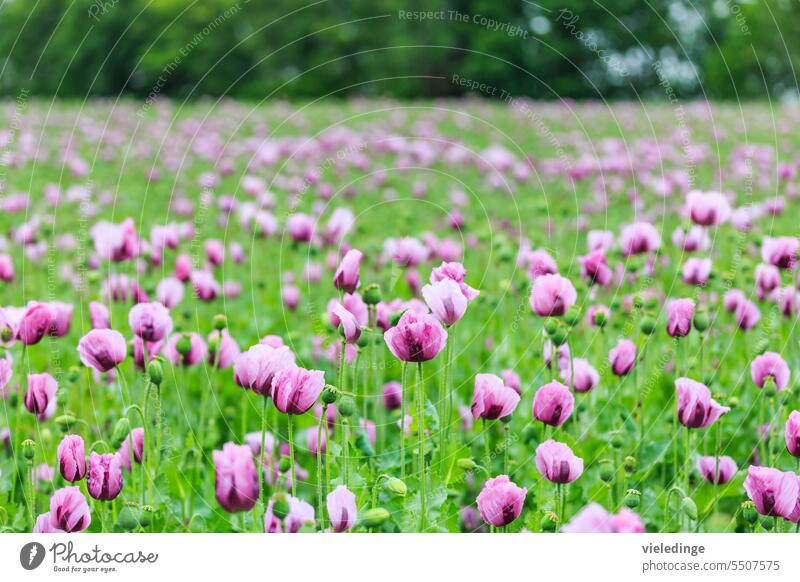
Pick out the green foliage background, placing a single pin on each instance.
(304, 48)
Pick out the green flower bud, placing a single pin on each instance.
(617, 440)
(647, 325)
(64, 422)
(689, 507)
(630, 464)
(600, 318)
(220, 322)
(155, 372)
(284, 464)
(606, 471)
(280, 506)
(183, 345)
(28, 449)
(572, 317)
(374, 517)
(549, 522)
(329, 394)
(560, 336)
(638, 301)
(633, 498)
(363, 340)
(466, 463)
(749, 512)
(550, 325)
(347, 406)
(701, 321)
(395, 486)
(121, 431)
(128, 518)
(372, 294)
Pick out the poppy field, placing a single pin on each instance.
(384, 316)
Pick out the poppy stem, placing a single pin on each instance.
(290, 424)
(260, 467)
(322, 418)
(421, 443)
(403, 422)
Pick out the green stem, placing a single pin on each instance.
(421, 443)
(290, 424)
(403, 422)
(260, 468)
(323, 418)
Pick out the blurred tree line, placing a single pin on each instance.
(309, 48)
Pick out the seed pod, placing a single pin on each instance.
(220, 322)
(183, 345)
(146, 515)
(128, 518)
(749, 512)
(280, 506)
(329, 394)
(550, 326)
(606, 471)
(633, 498)
(347, 406)
(372, 294)
(572, 317)
(395, 486)
(630, 464)
(549, 522)
(28, 449)
(374, 517)
(701, 321)
(560, 336)
(647, 325)
(284, 464)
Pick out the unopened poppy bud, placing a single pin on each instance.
(633, 498)
(617, 440)
(689, 507)
(630, 464)
(121, 431)
(363, 340)
(372, 294)
(560, 336)
(146, 515)
(550, 326)
(701, 321)
(549, 522)
(28, 449)
(346, 406)
(128, 518)
(572, 317)
(74, 374)
(395, 486)
(65, 421)
(184, 344)
(374, 517)
(647, 325)
(155, 372)
(466, 463)
(284, 464)
(606, 471)
(280, 506)
(329, 394)
(749, 512)
(220, 322)
(767, 522)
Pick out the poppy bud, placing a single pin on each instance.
(647, 325)
(184, 344)
(633, 498)
(28, 449)
(606, 471)
(65, 421)
(280, 506)
(630, 464)
(329, 394)
(284, 464)
(550, 325)
(701, 321)
(572, 317)
(600, 318)
(617, 440)
(155, 372)
(121, 431)
(347, 406)
(549, 522)
(374, 517)
(128, 518)
(395, 486)
(220, 322)
(372, 294)
(560, 336)
(363, 340)
(466, 463)
(689, 507)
